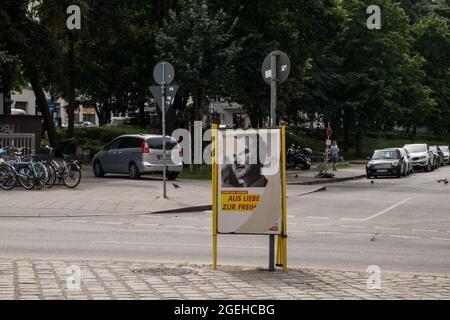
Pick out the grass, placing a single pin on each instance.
(202, 172)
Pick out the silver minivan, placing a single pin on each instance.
(138, 154)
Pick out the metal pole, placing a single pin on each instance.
(273, 90)
(273, 121)
(163, 104)
(271, 252)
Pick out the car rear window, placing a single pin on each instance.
(157, 143)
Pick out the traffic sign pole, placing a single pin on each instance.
(163, 104)
(273, 89)
(275, 70)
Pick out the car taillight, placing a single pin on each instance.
(144, 147)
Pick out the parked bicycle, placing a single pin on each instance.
(68, 171)
(8, 177)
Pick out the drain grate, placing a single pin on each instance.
(163, 271)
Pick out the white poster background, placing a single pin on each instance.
(266, 217)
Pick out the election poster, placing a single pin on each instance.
(249, 194)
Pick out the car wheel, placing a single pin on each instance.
(133, 171)
(98, 169)
(172, 175)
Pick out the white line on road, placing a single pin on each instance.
(446, 239)
(328, 232)
(316, 224)
(356, 227)
(386, 228)
(107, 222)
(424, 230)
(319, 218)
(404, 237)
(145, 224)
(174, 244)
(379, 213)
(75, 221)
(175, 226)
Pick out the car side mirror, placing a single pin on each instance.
(105, 148)
(368, 158)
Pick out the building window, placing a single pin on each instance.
(21, 105)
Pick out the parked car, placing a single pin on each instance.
(422, 156)
(386, 162)
(446, 151)
(139, 154)
(408, 160)
(438, 157)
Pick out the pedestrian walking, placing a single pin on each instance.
(334, 151)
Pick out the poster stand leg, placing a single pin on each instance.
(271, 252)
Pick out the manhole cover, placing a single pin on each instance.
(162, 271)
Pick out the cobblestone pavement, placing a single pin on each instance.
(56, 279)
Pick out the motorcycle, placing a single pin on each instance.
(296, 157)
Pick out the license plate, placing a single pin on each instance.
(382, 170)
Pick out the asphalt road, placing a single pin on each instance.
(397, 224)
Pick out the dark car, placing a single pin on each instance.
(386, 162)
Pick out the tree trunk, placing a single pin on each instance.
(6, 90)
(41, 102)
(413, 134)
(71, 107)
(359, 143)
(141, 107)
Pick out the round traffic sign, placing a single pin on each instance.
(163, 73)
(283, 67)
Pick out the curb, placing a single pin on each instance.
(208, 207)
(331, 180)
(323, 188)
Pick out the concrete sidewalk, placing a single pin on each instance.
(59, 279)
(115, 195)
(308, 177)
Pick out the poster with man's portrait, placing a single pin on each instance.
(249, 180)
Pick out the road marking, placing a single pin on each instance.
(328, 232)
(297, 231)
(178, 218)
(446, 239)
(364, 234)
(379, 213)
(145, 224)
(320, 218)
(75, 221)
(356, 227)
(106, 222)
(386, 228)
(291, 216)
(424, 230)
(175, 226)
(404, 237)
(316, 224)
(173, 244)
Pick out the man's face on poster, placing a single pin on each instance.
(246, 165)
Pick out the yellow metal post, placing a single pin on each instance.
(214, 191)
(283, 201)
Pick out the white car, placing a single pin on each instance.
(446, 151)
(138, 154)
(421, 155)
